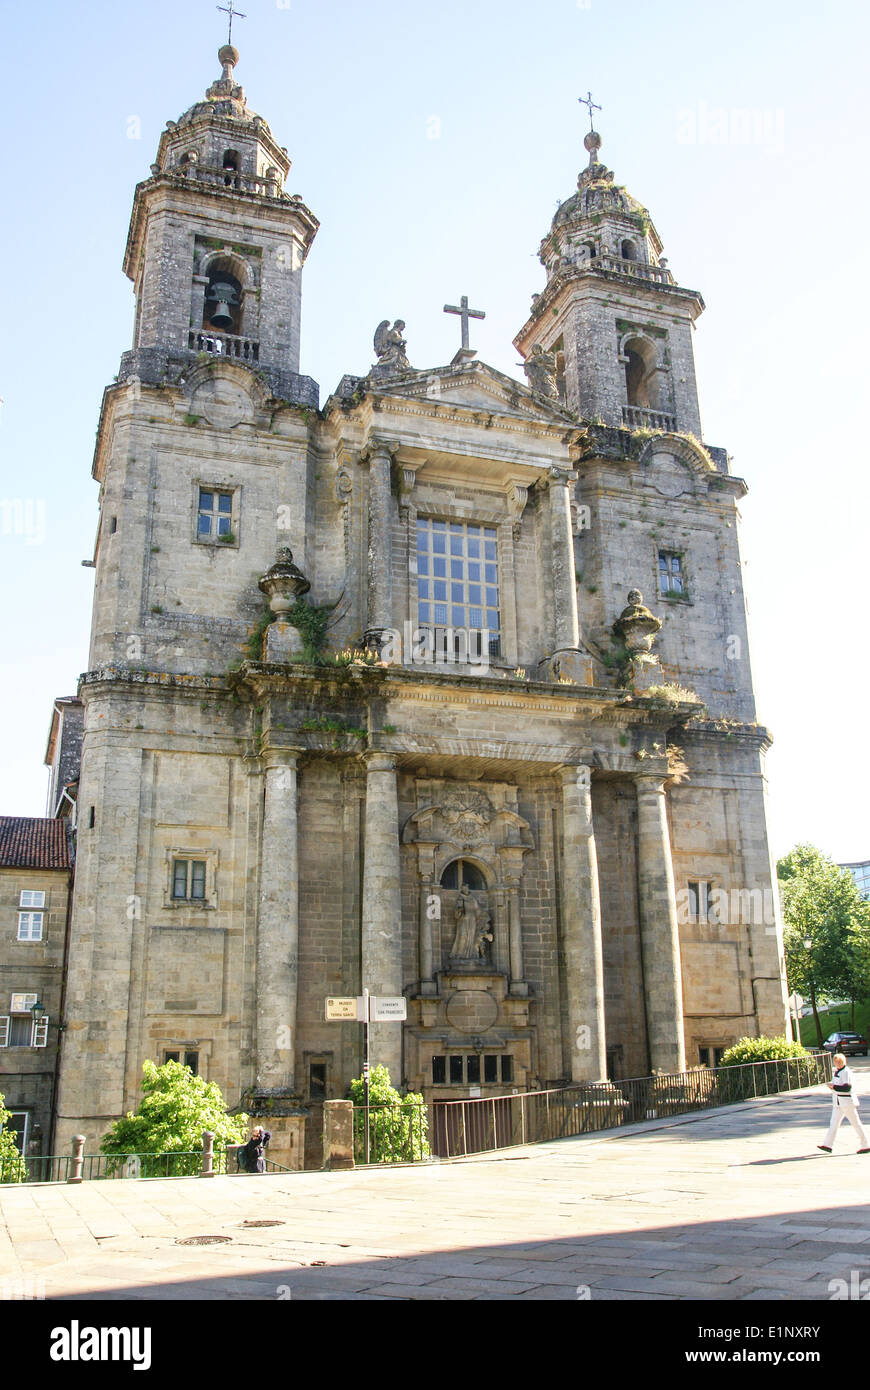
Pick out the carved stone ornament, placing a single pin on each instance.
(283, 583)
(636, 625)
(467, 813)
(540, 370)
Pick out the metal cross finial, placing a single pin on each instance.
(465, 314)
(233, 14)
(584, 101)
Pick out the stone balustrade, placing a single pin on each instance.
(229, 178)
(224, 345)
(638, 270)
(638, 417)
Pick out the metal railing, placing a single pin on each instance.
(390, 1133)
(97, 1167)
(462, 1127)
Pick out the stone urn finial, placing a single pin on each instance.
(636, 625)
(283, 583)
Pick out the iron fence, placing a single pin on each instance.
(390, 1133)
(496, 1122)
(97, 1167)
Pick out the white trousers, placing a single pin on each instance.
(844, 1109)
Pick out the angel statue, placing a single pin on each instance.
(540, 370)
(390, 348)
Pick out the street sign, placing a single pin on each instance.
(341, 1008)
(796, 1002)
(385, 1008)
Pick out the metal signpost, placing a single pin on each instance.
(367, 1008)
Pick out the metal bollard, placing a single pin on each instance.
(207, 1154)
(78, 1149)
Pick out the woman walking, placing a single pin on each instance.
(843, 1107)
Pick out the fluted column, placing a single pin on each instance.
(278, 926)
(382, 906)
(581, 928)
(565, 616)
(380, 543)
(660, 941)
(427, 976)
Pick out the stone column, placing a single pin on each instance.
(581, 911)
(565, 615)
(660, 942)
(515, 938)
(278, 927)
(380, 547)
(382, 906)
(427, 975)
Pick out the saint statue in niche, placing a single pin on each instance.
(473, 935)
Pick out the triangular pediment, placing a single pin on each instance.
(478, 387)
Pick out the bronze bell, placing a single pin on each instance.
(224, 295)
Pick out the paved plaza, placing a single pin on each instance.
(734, 1204)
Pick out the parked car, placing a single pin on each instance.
(847, 1043)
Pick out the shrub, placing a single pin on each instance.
(12, 1167)
(176, 1107)
(761, 1050)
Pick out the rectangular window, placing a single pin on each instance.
(490, 1069)
(188, 880)
(472, 1070)
(30, 926)
(672, 582)
(456, 1071)
(466, 599)
(19, 1124)
(186, 1059)
(317, 1080)
(20, 1030)
(30, 897)
(699, 901)
(215, 515)
(439, 1071)
(507, 1069)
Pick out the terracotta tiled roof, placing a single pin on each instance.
(33, 842)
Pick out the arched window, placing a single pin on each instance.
(223, 301)
(629, 251)
(232, 163)
(641, 377)
(462, 871)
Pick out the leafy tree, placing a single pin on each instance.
(822, 906)
(12, 1167)
(176, 1107)
(398, 1125)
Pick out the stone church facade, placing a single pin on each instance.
(521, 795)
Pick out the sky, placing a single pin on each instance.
(434, 141)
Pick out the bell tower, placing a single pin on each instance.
(216, 247)
(618, 324)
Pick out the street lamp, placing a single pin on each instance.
(37, 1011)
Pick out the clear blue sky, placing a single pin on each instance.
(770, 229)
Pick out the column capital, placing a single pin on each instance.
(376, 761)
(649, 783)
(576, 775)
(274, 755)
(558, 477)
(376, 447)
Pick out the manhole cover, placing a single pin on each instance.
(250, 1224)
(204, 1240)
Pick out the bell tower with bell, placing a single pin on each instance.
(611, 314)
(216, 247)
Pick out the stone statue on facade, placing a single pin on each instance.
(470, 922)
(390, 347)
(540, 370)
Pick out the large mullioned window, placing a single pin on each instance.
(457, 579)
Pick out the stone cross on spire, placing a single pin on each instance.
(584, 101)
(233, 14)
(465, 314)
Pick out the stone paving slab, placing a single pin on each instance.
(735, 1204)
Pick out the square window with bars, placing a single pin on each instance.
(215, 514)
(457, 586)
(672, 580)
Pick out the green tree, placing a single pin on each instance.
(12, 1167)
(175, 1108)
(398, 1125)
(826, 925)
